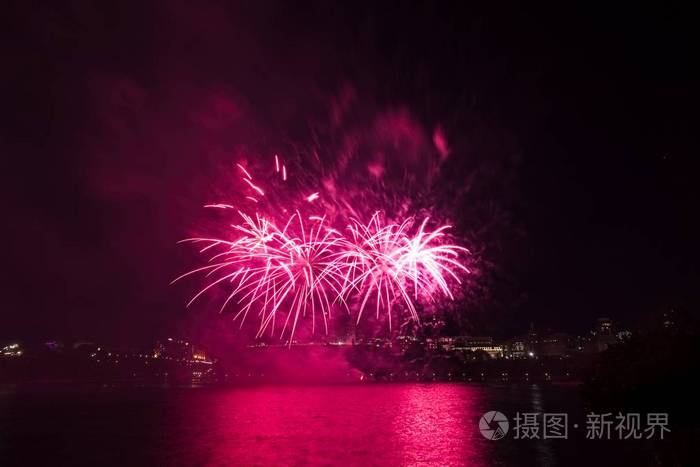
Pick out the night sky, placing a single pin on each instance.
(574, 129)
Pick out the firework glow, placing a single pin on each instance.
(285, 265)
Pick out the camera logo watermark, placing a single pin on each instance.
(493, 425)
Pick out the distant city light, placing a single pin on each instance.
(12, 350)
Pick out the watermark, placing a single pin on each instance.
(494, 425)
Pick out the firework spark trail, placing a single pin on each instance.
(218, 206)
(306, 267)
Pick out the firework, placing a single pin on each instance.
(386, 263)
(285, 268)
(291, 271)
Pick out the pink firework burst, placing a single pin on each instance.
(385, 263)
(302, 266)
(291, 271)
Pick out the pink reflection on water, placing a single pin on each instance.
(435, 425)
(374, 424)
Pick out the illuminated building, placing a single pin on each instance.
(479, 344)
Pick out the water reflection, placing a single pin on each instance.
(435, 425)
(372, 424)
(346, 425)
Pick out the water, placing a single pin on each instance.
(370, 424)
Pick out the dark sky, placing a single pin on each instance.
(577, 124)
